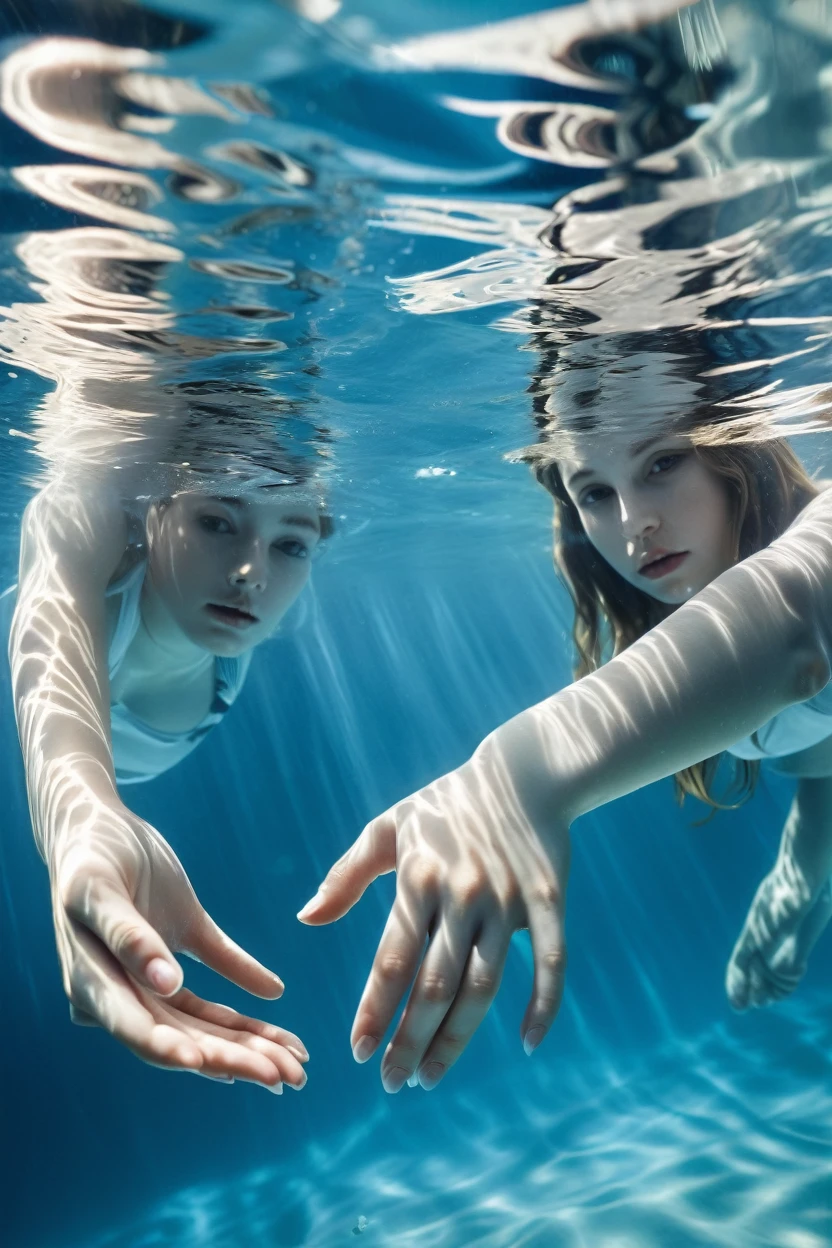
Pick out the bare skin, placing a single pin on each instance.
(793, 904)
(122, 902)
(484, 851)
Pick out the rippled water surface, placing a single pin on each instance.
(374, 246)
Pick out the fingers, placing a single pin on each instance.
(207, 942)
(768, 963)
(100, 991)
(738, 984)
(545, 919)
(236, 1055)
(222, 1016)
(285, 1050)
(476, 993)
(162, 1033)
(399, 954)
(751, 982)
(433, 993)
(372, 855)
(108, 912)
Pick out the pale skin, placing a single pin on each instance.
(221, 574)
(484, 851)
(793, 904)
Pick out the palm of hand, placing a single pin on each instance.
(122, 905)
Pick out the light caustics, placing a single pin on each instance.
(676, 1146)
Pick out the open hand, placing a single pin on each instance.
(471, 870)
(122, 906)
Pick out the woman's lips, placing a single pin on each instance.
(235, 616)
(661, 567)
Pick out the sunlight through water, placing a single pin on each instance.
(301, 303)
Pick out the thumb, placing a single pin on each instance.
(372, 855)
(107, 910)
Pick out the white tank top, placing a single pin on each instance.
(796, 728)
(139, 751)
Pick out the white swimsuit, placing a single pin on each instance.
(139, 751)
(796, 728)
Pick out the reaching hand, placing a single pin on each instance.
(471, 871)
(122, 905)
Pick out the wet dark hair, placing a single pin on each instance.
(243, 433)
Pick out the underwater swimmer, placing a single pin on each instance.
(131, 637)
(710, 569)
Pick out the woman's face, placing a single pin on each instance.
(654, 510)
(228, 569)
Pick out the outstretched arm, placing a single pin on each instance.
(755, 641)
(122, 903)
(485, 850)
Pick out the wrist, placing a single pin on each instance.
(528, 752)
(76, 823)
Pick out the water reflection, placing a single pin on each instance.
(711, 220)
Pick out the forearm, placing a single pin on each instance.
(57, 652)
(806, 844)
(752, 643)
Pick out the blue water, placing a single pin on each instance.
(653, 1116)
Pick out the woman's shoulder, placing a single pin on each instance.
(86, 526)
(818, 505)
(76, 513)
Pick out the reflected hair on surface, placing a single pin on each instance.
(239, 437)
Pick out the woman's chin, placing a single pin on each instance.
(223, 641)
(231, 647)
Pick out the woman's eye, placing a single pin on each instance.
(293, 548)
(215, 524)
(595, 494)
(665, 462)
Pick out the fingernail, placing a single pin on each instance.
(300, 1054)
(430, 1076)
(364, 1048)
(393, 1079)
(532, 1039)
(302, 1084)
(275, 1088)
(162, 976)
(310, 905)
(413, 1081)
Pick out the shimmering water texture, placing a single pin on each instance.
(691, 273)
(713, 1143)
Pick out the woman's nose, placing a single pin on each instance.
(637, 521)
(250, 571)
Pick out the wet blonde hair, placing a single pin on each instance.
(767, 486)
